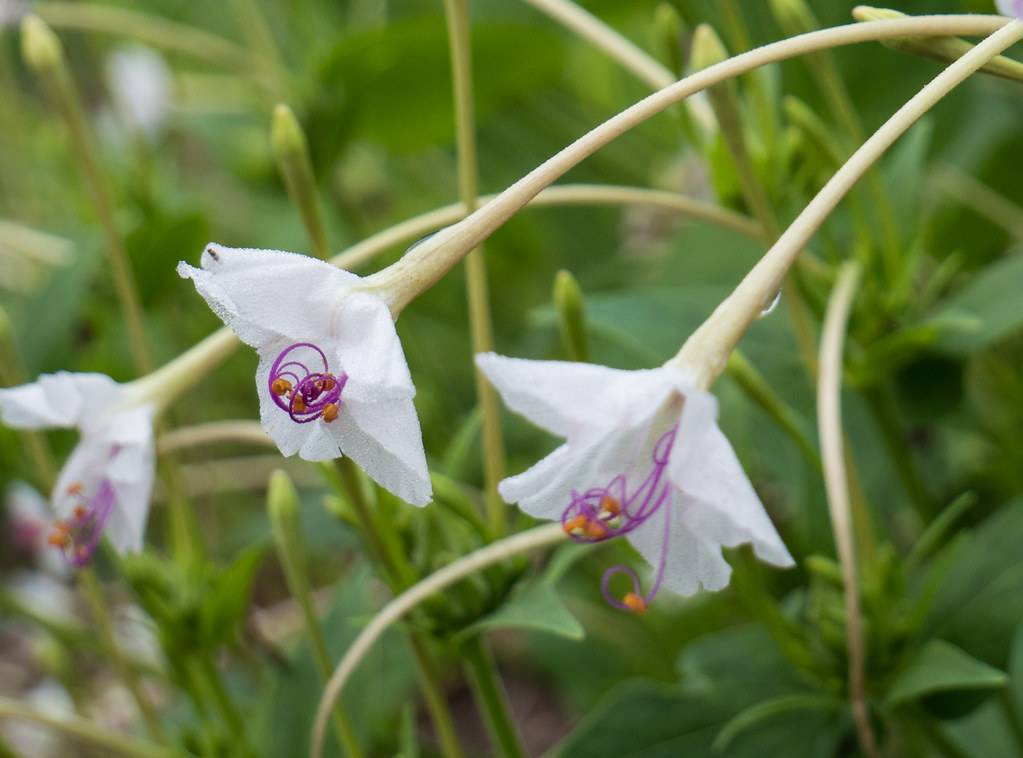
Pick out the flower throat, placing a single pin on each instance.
(602, 513)
(306, 393)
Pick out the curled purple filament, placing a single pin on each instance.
(302, 385)
(78, 536)
(603, 513)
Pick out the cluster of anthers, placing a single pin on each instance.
(78, 536)
(303, 393)
(603, 513)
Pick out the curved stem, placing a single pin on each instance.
(144, 27)
(85, 731)
(706, 352)
(836, 482)
(429, 261)
(213, 433)
(541, 536)
(561, 195)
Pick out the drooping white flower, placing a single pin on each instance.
(643, 458)
(332, 377)
(141, 88)
(105, 484)
(1010, 8)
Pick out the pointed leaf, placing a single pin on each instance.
(940, 666)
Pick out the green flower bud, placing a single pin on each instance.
(793, 16)
(568, 302)
(708, 48)
(39, 45)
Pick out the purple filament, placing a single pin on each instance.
(310, 391)
(80, 534)
(603, 513)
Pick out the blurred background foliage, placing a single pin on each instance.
(934, 407)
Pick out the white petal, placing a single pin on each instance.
(264, 295)
(122, 453)
(569, 399)
(369, 351)
(59, 400)
(385, 440)
(694, 559)
(1010, 7)
(705, 468)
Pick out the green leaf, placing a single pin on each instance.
(768, 709)
(227, 602)
(980, 601)
(940, 666)
(985, 311)
(535, 605)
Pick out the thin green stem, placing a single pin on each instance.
(491, 698)
(58, 82)
(222, 701)
(292, 152)
(433, 694)
(457, 14)
(86, 732)
(93, 592)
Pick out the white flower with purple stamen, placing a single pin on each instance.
(105, 485)
(1010, 8)
(644, 459)
(332, 377)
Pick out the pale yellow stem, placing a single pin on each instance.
(705, 353)
(836, 482)
(541, 536)
(213, 433)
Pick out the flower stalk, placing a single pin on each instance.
(285, 523)
(492, 698)
(495, 552)
(457, 14)
(706, 352)
(45, 55)
(829, 415)
(429, 261)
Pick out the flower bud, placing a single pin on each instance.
(282, 504)
(39, 45)
(292, 153)
(708, 48)
(944, 49)
(568, 302)
(669, 29)
(286, 135)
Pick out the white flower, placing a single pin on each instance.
(140, 86)
(1010, 7)
(105, 485)
(12, 11)
(643, 458)
(332, 376)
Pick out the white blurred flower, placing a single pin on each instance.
(105, 484)
(141, 87)
(643, 458)
(332, 377)
(44, 594)
(12, 11)
(1010, 7)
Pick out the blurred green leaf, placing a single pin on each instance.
(986, 310)
(939, 666)
(535, 605)
(227, 603)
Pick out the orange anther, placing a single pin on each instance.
(595, 530)
(280, 386)
(610, 505)
(299, 405)
(328, 383)
(577, 522)
(58, 537)
(635, 603)
(330, 411)
(80, 512)
(75, 488)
